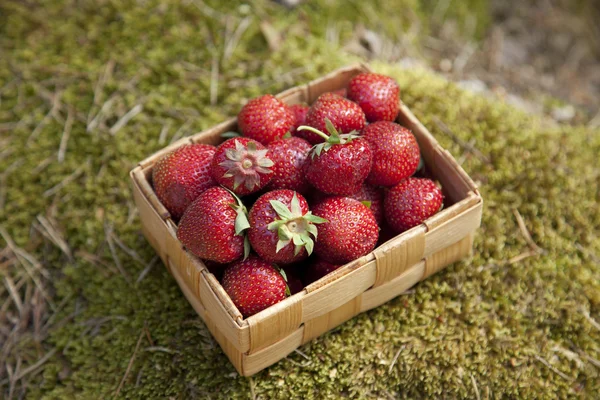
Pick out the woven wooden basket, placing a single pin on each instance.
(254, 343)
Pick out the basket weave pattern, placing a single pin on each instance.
(254, 343)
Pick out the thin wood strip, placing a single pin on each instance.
(338, 273)
(189, 289)
(143, 183)
(326, 322)
(224, 298)
(382, 294)
(448, 255)
(274, 323)
(295, 95)
(340, 291)
(398, 254)
(235, 356)
(453, 229)
(315, 327)
(252, 363)
(190, 268)
(152, 223)
(216, 311)
(448, 213)
(447, 171)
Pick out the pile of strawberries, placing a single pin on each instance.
(302, 191)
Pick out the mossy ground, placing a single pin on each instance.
(497, 324)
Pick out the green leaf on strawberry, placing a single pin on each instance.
(293, 226)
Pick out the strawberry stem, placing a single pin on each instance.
(313, 130)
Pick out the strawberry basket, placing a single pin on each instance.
(256, 342)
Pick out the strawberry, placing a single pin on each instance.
(215, 268)
(411, 202)
(345, 115)
(212, 226)
(289, 156)
(242, 165)
(265, 119)
(281, 227)
(253, 285)
(292, 275)
(377, 95)
(351, 230)
(299, 111)
(341, 164)
(372, 197)
(318, 269)
(385, 233)
(180, 177)
(395, 153)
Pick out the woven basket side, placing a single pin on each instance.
(398, 254)
(454, 229)
(369, 299)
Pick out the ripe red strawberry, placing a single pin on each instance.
(351, 230)
(318, 269)
(253, 285)
(215, 268)
(299, 111)
(281, 227)
(265, 119)
(385, 233)
(340, 165)
(374, 197)
(292, 275)
(242, 165)
(212, 226)
(396, 153)
(180, 177)
(377, 95)
(411, 202)
(370, 196)
(289, 156)
(345, 115)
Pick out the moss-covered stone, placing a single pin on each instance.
(487, 322)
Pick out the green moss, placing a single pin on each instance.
(484, 319)
(471, 17)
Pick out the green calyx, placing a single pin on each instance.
(281, 271)
(294, 227)
(241, 223)
(334, 137)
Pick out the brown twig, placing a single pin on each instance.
(465, 145)
(214, 80)
(147, 269)
(526, 233)
(50, 232)
(12, 290)
(395, 359)
(131, 360)
(138, 108)
(108, 233)
(475, 388)
(62, 148)
(554, 369)
(76, 174)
